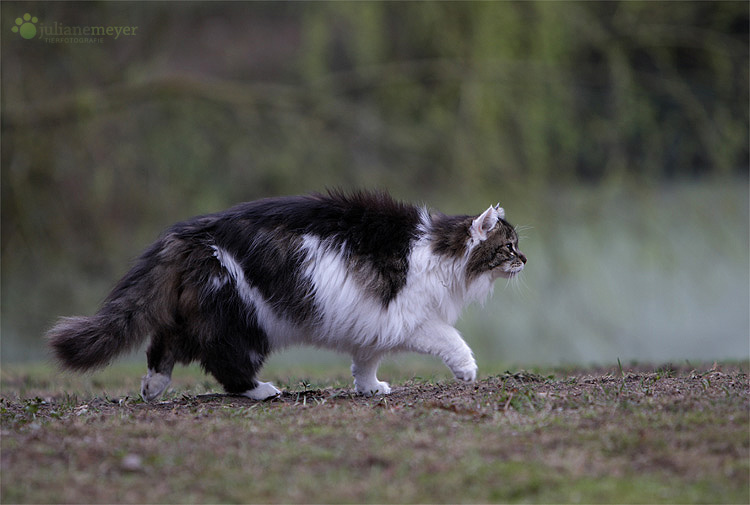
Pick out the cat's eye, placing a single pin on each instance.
(509, 246)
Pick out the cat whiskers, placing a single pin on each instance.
(520, 229)
(518, 283)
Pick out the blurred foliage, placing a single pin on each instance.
(213, 103)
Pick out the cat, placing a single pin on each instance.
(355, 272)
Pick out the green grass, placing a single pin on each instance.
(636, 434)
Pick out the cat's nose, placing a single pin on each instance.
(522, 257)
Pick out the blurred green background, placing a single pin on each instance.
(614, 133)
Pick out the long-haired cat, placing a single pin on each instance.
(358, 273)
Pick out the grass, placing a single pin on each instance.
(627, 434)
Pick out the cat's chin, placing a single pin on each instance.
(509, 274)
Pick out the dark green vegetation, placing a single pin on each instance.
(457, 104)
(638, 434)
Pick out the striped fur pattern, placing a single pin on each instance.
(359, 273)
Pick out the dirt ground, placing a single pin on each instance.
(637, 433)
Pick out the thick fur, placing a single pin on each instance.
(359, 273)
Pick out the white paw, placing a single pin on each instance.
(263, 391)
(466, 373)
(153, 385)
(372, 388)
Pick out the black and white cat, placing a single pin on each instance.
(359, 273)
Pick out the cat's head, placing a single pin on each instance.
(493, 246)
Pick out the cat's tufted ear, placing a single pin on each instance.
(500, 211)
(484, 223)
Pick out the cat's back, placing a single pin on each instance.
(367, 222)
(367, 233)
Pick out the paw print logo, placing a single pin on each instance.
(26, 26)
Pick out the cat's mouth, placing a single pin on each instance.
(510, 270)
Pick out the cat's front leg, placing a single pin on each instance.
(444, 341)
(364, 370)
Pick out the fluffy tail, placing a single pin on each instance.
(82, 343)
(140, 303)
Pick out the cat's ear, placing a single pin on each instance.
(500, 211)
(484, 223)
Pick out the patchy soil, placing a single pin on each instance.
(642, 434)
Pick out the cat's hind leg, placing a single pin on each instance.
(234, 349)
(263, 391)
(237, 372)
(235, 365)
(161, 360)
(364, 370)
(153, 384)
